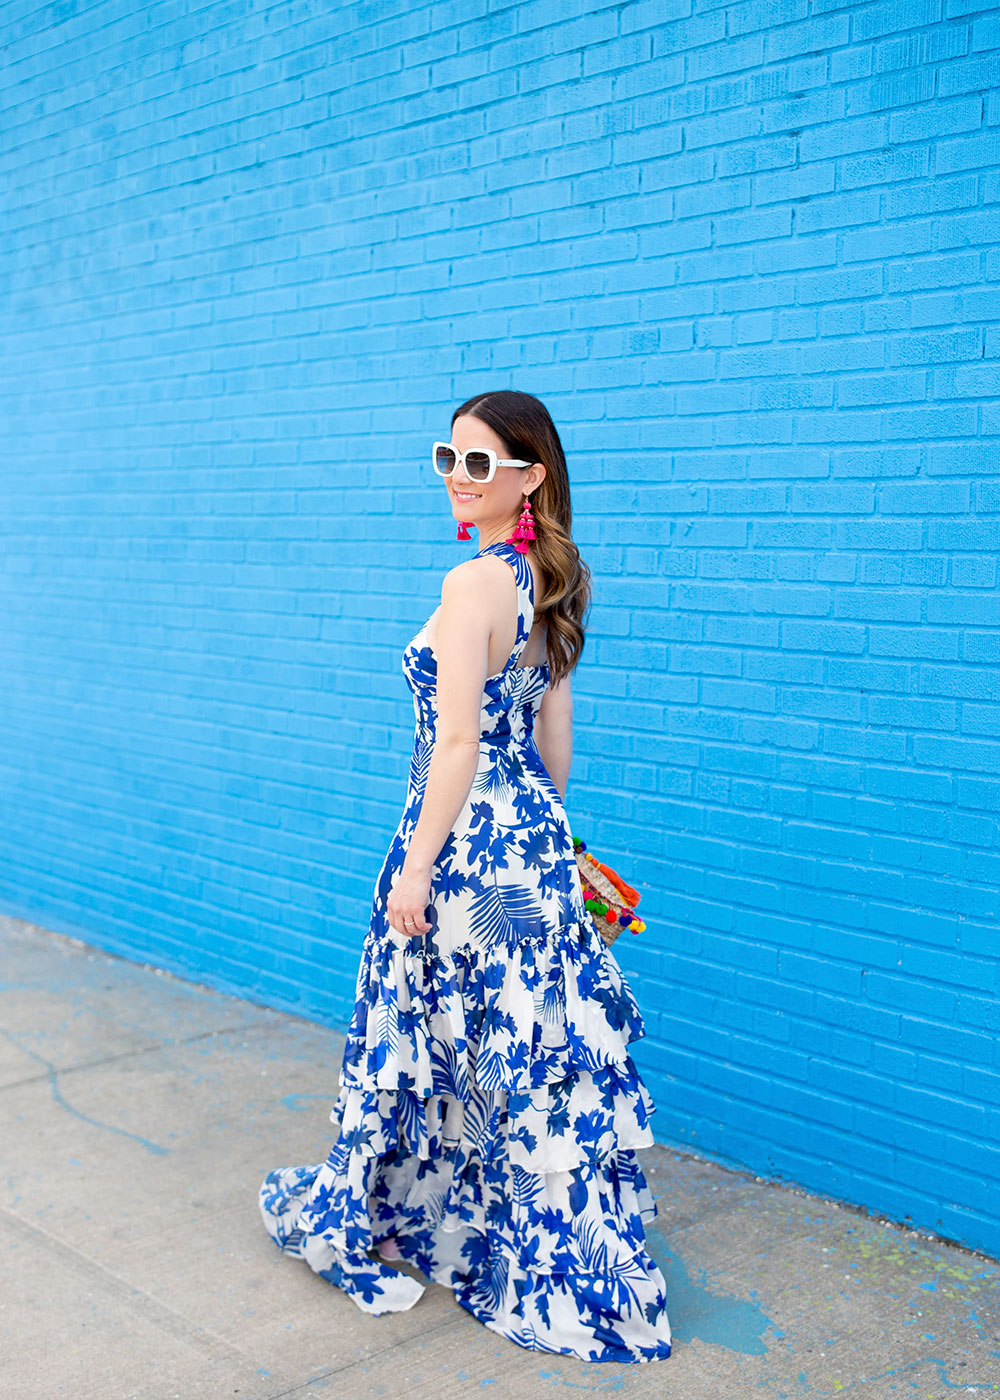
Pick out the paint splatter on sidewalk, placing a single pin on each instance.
(138, 1111)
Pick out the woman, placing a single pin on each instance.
(489, 1110)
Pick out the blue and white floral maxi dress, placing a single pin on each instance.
(489, 1110)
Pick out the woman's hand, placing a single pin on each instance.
(408, 899)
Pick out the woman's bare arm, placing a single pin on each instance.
(554, 732)
(467, 617)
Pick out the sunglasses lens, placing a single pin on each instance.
(477, 464)
(444, 461)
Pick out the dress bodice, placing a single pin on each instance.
(512, 697)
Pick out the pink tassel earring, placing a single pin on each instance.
(524, 530)
(463, 530)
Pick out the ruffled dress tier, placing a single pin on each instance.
(489, 1110)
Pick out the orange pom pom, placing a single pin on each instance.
(626, 891)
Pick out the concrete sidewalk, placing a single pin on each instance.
(140, 1113)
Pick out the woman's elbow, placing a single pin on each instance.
(457, 740)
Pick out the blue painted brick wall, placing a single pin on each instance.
(749, 254)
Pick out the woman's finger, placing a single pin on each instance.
(409, 922)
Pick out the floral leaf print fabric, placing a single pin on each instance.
(489, 1110)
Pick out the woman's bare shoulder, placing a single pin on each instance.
(480, 575)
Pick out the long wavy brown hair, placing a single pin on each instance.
(524, 425)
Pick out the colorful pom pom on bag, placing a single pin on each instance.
(611, 901)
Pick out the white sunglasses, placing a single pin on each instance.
(480, 462)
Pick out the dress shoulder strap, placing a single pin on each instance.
(520, 565)
(525, 590)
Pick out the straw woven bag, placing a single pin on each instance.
(611, 901)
